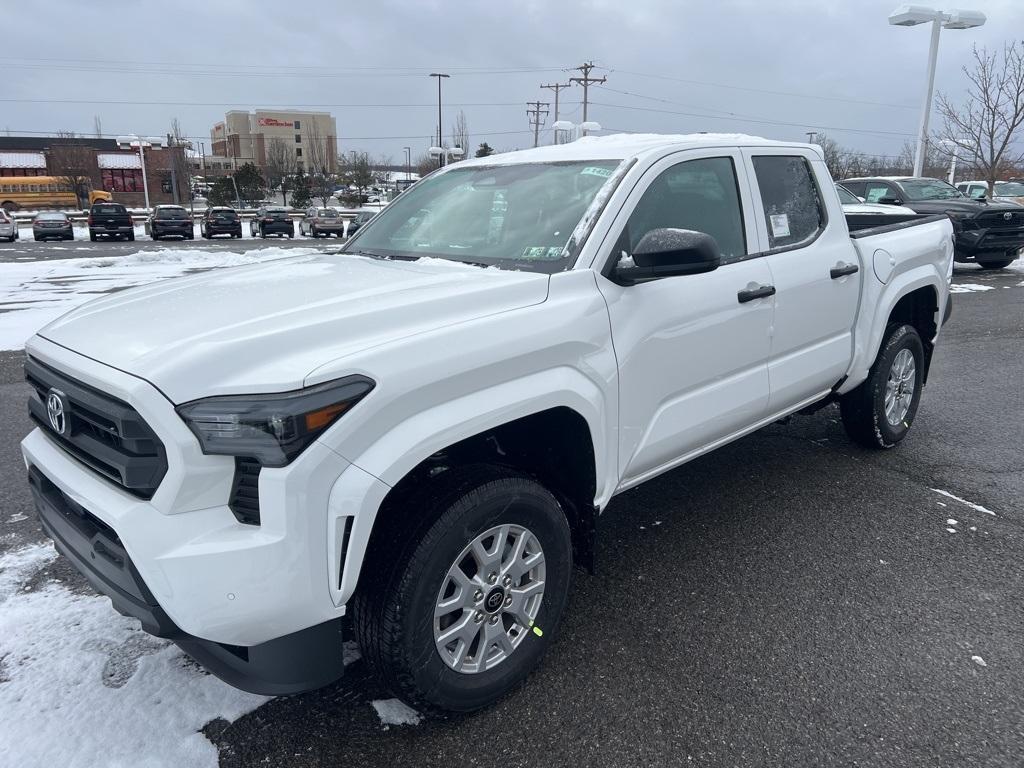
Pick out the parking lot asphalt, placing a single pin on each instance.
(788, 600)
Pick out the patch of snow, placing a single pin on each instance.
(969, 288)
(951, 521)
(86, 687)
(942, 503)
(951, 530)
(34, 293)
(979, 661)
(974, 527)
(396, 712)
(965, 502)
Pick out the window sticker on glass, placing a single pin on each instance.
(542, 252)
(780, 225)
(591, 170)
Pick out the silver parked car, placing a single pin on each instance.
(8, 227)
(322, 222)
(52, 224)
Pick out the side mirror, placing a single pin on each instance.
(669, 253)
(890, 201)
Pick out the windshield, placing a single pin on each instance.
(928, 189)
(327, 213)
(106, 210)
(1009, 189)
(51, 216)
(172, 213)
(512, 216)
(846, 197)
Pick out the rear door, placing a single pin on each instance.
(814, 268)
(692, 351)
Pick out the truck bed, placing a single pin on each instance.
(868, 224)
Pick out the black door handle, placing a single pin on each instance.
(842, 270)
(755, 293)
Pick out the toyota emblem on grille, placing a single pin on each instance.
(57, 410)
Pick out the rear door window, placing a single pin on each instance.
(876, 190)
(793, 208)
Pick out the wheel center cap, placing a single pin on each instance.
(494, 599)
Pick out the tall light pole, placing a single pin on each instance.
(408, 162)
(911, 16)
(133, 142)
(440, 138)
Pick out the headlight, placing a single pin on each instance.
(271, 428)
(961, 219)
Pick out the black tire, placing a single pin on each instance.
(92, 237)
(863, 408)
(131, 238)
(995, 263)
(394, 607)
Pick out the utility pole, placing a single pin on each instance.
(440, 140)
(811, 136)
(556, 87)
(537, 110)
(586, 81)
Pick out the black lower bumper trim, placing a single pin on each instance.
(301, 661)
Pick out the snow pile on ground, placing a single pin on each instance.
(970, 288)
(33, 293)
(396, 712)
(81, 685)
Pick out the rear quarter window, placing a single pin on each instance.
(793, 209)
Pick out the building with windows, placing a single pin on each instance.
(246, 137)
(108, 167)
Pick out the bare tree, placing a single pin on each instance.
(280, 166)
(97, 126)
(358, 172)
(181, 172)
(986, 129)
(319, 163)
(424, 164)
(460, 132)
(71, 162)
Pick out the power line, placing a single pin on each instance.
(249, 103)
(53, 134)
(764, 90)
(536, 110)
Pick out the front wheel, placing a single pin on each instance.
(879, 412)
(468, 609)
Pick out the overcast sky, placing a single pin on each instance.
(775, 68)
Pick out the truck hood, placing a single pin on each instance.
(961, 205)
(265, 327)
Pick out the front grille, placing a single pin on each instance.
(245, 491)
(998, 220)
(104, 433)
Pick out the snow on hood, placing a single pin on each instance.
(263, 328)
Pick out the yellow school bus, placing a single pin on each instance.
(35, 192)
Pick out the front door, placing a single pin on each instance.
(692, 350)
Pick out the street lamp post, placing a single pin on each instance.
(911, 16)
(408, 162)
(440, 138)
(132, 142)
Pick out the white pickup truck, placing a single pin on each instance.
(418, 433)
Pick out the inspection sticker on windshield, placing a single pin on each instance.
(542, 252)
(592, 170)
(780, 225)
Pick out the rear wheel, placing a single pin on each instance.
(879, 412)
(467, 610)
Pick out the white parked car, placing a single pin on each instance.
(1005, 191)
(853, 205)
(421, 431)
(8, 227)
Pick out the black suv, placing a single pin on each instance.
(110, 220)
(220, 221)
(169, 221)
(987, 234)
(273, 220)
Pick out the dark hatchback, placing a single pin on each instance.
(110, 220)
(170, 221)
(987, 234)
(220, 221)
(273, 220)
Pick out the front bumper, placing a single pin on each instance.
(301, 661)
(188, 569)
(972, 243)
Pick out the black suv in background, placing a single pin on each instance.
(273, 220)
(987, 234)
(110, 220)
(220, 221)
(168, 221)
